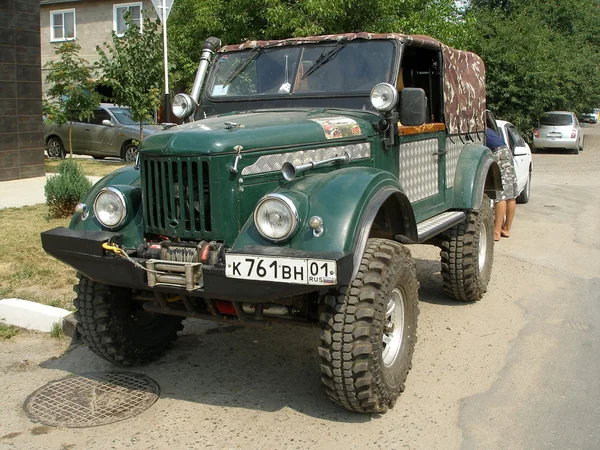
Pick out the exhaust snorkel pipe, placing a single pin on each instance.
(185, 105)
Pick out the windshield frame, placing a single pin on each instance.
(209, 85)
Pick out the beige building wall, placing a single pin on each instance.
(93, 26)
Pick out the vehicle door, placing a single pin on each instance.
(79, 136)
(521, 155)
(422, 150)
(102, 134)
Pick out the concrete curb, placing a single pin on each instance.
(33, 316)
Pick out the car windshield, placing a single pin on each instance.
(330, 67)
(556, 119)
(123, 116)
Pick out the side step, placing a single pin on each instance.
(431, 227)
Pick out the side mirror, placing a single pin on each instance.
(413, 107)
(107, 123)
(520, 151)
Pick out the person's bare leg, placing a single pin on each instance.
(511, 206)
(500, 211)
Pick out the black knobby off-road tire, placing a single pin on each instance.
(464, 274)
(360, 371)
(114, 331)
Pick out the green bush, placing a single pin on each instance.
(66, 189)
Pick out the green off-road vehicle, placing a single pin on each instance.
(305, 168)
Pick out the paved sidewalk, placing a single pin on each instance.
(29, 191)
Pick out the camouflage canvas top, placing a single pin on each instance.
(464, 74)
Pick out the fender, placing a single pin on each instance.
(476, 173)
(347, 200)
(127, 180)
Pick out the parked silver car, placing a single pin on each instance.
(558, 130)
(109, 132)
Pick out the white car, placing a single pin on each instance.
(522, 158)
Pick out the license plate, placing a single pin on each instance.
(317, 272)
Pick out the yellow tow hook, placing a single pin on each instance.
(112, 248)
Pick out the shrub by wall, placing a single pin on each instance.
(65, 190)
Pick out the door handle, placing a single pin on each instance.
(439, 153)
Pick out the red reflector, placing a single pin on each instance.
(225, 307)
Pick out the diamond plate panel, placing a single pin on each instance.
(454, 147)
(419, 169)
(273, 163)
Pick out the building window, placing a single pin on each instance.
(119, 25)
(62, 25)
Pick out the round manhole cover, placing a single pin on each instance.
(91, 399)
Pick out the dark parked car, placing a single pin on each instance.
(111, 131)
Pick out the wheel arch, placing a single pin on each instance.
(477, 173)
(377, 207)
(125, 144)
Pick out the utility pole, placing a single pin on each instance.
(163, 8)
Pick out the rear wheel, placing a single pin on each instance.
(467, 254)
(369, 330)
(129, 152)
(117, 331)
(55, 148)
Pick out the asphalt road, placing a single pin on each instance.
(518, 370)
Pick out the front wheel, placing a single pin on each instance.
(369, 330)
(467, 254)
(115, 330)
(130, 152)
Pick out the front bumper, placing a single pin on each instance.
(83, 251)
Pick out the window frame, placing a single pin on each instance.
(116, 6)
(53, 38)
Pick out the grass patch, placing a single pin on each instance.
(91, 167)
(56, 331)
(7, 331)
(26, 271)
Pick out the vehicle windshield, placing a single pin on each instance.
(556, 119)
(339, 67)
(123, 116)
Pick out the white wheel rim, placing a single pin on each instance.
(393, 328)
(482, 246)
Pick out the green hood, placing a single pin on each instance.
(260, 130)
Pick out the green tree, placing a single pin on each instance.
(191, 21)
(132, 66)
(539, 56)
(72, 95)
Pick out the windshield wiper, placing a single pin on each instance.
(240, 68)
(325, 57)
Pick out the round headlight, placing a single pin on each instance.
(183, 106)
(275, 217)
(384, 97)
(109, 207)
